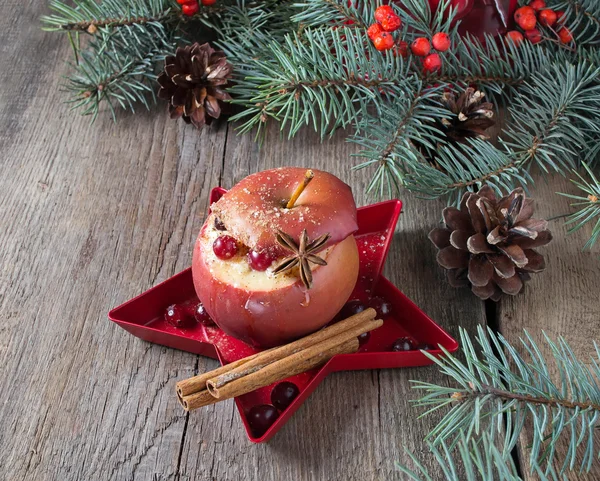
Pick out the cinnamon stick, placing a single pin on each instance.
(273, 372)
(198, 383)
(267, 357)
(297, 363)
(197, 400)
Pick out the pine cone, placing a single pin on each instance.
(193, 83)
(473, 115)
(488, 243)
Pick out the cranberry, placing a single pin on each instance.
(177, 316)
(351, 308)
(259, 261)
(403, 344)
(261, 418)
(283, 394)
(383, 307)
(364, 338)
(202, 316)
(225, 247)
(219, 225)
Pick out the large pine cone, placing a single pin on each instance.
(488, 244)
(193, 83)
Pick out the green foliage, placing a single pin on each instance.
(588, 205)
(118, 70)
(108, 13)
(499, 390)
(473, 460)
(582, 18)
(310, 63)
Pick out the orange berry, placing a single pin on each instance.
(527, 22)
(432, 63)
(391, 23)
(441, 41)
(421, 47)
(565, 35)
(534, 36)
(515, 37)
(523, 11)
(190, 9)
(547, 17)
(383, 12)
(383, 41)
(374, 30)
(401, 49)
(537, 5)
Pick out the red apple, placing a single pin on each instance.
(254, 304)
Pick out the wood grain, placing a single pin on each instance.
(92, 215)
(562, 301)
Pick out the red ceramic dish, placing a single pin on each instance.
(143, 317)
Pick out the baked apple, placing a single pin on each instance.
(276, 259)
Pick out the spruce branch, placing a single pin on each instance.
(588, 205)
(118, 68)
(88, 14)
(499, 389)
(582, 18)
(473, 460)
(305, 80)
(552, 124)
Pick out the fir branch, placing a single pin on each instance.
(588, 206)
(479, 460)
(88, 14)
(118, 68)
(498, 384)
(552, 125)
(393, 133)
(305, 81)
(582, 17)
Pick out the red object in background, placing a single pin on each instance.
(480, 17)
(144, 317)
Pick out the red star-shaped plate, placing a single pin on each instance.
(143, 317)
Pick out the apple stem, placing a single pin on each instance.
(308, 176)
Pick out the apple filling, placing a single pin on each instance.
(236, 271)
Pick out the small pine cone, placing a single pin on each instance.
(472, 116)
(193, 82)
(488, 244)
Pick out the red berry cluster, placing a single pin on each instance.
(191, 7)
(387, 22)
(529, 16)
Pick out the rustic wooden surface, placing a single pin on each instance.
(92, 215)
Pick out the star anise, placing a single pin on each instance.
(302, 256)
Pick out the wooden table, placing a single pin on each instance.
(92, 215)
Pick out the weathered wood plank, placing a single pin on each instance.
(91, 216)
(356, 425)
(562, 301)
